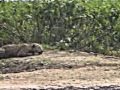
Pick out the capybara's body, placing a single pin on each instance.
(20, 50)
(2, 52)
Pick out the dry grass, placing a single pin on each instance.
(91, 70)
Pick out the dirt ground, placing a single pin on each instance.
(60, 69)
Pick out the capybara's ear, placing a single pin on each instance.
(33, 45)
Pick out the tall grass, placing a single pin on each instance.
(88, 25)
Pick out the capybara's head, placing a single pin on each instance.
(37, 48)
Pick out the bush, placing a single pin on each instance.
(88, 25)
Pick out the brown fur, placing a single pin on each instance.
(2, 52)
(18, 50)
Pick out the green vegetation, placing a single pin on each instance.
(88, 25)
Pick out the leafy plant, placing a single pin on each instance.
(88, 25)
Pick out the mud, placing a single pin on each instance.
(61, 68)
(111, 87)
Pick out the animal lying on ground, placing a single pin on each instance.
(2, 52)
(20, 50)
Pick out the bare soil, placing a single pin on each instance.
(61, 70)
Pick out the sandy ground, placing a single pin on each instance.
(92, 71)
